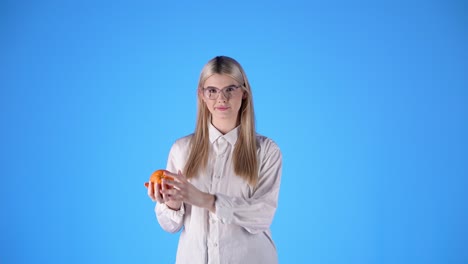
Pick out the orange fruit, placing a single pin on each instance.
(157, 177)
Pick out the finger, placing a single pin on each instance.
(151, 191)
(178, 177)
(179, 173)
(170, 193)
(163, 191)
(171, 183)
(157, 193)
(172, 175)
(175, 193)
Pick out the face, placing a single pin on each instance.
(224, 110)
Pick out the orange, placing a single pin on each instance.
(157, 177)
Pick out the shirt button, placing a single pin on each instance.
(215, 244)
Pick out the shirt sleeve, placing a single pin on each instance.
(171, 220)
(256, 213)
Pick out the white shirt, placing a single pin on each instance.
(239, 231)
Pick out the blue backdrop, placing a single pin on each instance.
(367, 100)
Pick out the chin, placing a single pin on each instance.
(224, 115)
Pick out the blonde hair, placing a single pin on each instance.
(245, 151)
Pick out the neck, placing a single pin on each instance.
(224, 126)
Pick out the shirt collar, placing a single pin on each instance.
(230, 137)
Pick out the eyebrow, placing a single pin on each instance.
(232, 85)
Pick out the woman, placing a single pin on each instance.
(226, 178)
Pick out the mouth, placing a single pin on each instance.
(222, 108)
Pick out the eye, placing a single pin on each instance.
(212, 90)
(231, 89)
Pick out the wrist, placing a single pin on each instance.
(210, 202)
(174, 206)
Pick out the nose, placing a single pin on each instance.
(222, 96)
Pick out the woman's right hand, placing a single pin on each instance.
(155, 192)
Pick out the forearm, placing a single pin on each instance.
(170, 220)
(173, 205)
(255, 215)
(209, 202)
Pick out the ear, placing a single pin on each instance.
(244, 95)
(200, 95)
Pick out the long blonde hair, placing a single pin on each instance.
(245, 151)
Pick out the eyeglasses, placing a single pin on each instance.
(213, 93)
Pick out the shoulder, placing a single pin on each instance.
(184, 140)
(182, 144)
(266, 144)
(268, 153)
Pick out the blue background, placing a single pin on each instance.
(367, 100)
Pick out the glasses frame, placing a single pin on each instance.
(226, 94)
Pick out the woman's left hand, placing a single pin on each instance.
(184, 191)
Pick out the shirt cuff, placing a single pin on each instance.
(174, 215)
(223, 207)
